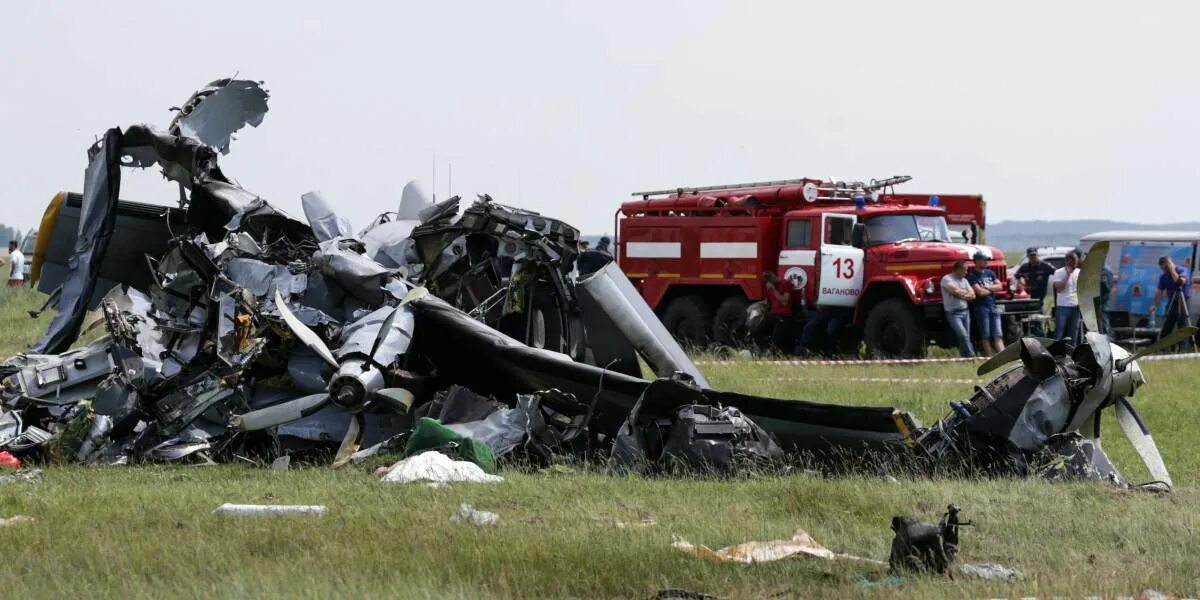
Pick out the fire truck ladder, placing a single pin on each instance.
(832, 190)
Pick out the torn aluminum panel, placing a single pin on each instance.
(612, 293)
(413, 200)
(215, 112)
(341, 260)
(97, 219)
(502, 367)
(389, 244)
(178, 409)
(262, 279)
(359, 337)
(325, 223)
(63, 378)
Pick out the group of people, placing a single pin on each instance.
(968, 294)
(971, 294)
(15, 264)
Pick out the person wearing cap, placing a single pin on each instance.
(1035, 275)
(984, 310)
(1175, 285)
(603, 244)
(1066, 299)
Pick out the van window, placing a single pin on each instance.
(799, 234)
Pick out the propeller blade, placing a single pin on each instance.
(1090, 274)
(384, 330)
(303, 333)
(1010, 353)
(399, 399)
(1176, 337)
(1139, 435)
(351, 442)
(1090, 428)
(281, 413)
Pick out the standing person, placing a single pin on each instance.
(1035, 274)
(779, 314)
(956, 294)
(1173, 284)
(1106, 283)
(603, 245)
(1066, 300)
(984, 310)
(826, 327)
(16, 264)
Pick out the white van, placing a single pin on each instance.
(1133, 259)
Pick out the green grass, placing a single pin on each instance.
(150, 531)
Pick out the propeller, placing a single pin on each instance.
(356, 383)
(1010, 353)
(1139, 435)
(307, 336)
(1174, 338)
(1088, 286)
(1119, 377)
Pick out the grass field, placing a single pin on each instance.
(150, 532)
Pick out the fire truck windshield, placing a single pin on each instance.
(893, 229)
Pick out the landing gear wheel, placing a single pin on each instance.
(895, 330)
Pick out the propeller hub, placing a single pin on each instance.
(354, 384)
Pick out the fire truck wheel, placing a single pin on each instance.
(894, 330)
(688, 318)
(729, 324)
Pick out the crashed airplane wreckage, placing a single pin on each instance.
(234, 330)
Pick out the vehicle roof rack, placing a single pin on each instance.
(831, 190)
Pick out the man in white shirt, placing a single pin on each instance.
(1066, 296)
(16, 265)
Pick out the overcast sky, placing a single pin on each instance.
(1050, 109)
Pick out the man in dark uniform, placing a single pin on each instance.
(1035, 274)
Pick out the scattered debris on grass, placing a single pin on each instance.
(990, 571)
(261, 510)
(920, 547)
(681, 594)
(801, 545)
(14, 520)
(437, 468)
(466, 513)
(27, 476)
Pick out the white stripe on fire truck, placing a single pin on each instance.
(652, 250)
(728, 249)
(797, 258)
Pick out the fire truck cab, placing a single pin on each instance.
(698, 255)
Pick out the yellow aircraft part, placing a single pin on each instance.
(45, 229)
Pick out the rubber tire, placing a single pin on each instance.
(888, 319)
(729, 324)
(689, 320)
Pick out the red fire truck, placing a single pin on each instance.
(698, 256)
